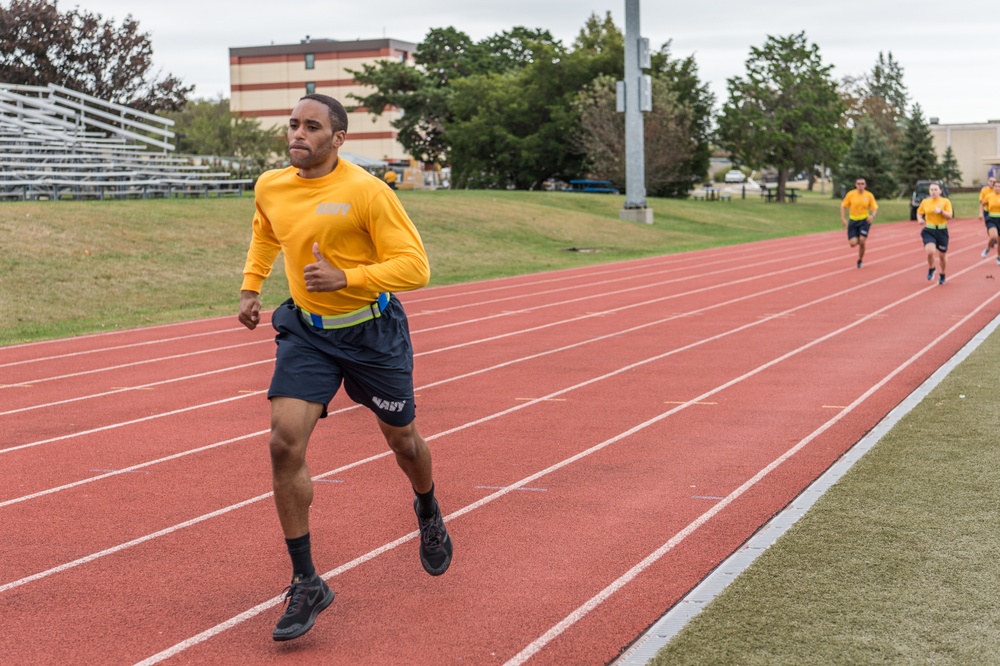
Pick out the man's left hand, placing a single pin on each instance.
(321, 276)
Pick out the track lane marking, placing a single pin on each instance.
(523, 331)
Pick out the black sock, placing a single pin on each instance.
(301, 554)
(425, 503)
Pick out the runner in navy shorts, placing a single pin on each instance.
(857, 228)
(939, 238)
(373, 360)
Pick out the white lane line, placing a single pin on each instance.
(122, 424)
(427, 294)
(579, 613)
(157, 359)
(680, 536)
(685, 260)
(642, 287)
(117, 347)
(428, 329)
(139, 387)
(519, 332)
(686, 276)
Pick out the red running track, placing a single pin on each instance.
(602, 437)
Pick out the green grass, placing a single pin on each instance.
(896, 564)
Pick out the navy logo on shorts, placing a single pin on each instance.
(388, 405)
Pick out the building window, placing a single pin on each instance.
(310, 61)
(310, 87)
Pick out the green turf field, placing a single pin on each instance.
(897, 564)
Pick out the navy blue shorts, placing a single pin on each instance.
(937, 237)
(857, 228)
(993, 222)
(373, 360)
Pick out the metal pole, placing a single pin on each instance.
(635, 177)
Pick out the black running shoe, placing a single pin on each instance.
(941, 278)
(435, 544)
(930, 273)
(305, 599)
(859, 263)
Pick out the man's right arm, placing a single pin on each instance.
(264, 249)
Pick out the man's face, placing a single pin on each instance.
(996, 186)
(311, 140)
(935, 190)
(991, 181)
(860, 184)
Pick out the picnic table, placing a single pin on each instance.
(770, 194)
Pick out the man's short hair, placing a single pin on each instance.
(338, 115)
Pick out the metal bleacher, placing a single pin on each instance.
(56, 143)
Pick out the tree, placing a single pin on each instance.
(501, 111)
(84, 52)
(667, 136)
(512, 129)
(869, 157)
(950, 172)
(880, 95)
(423, 98)
(916, 159)
(886, 82)
(697, 101)
(207, 127)
(786, 112)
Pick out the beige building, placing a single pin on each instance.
(976, 147)
(267, 81)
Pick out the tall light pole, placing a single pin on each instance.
(635, 95)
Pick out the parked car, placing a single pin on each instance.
(921, 191)
(735, 176)
(587, 185)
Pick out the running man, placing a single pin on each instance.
(861, 207)
(991, 213)
(984, 193)
(934, 213)
(347, 244)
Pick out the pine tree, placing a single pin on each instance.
(916, 159)
(869, 157)
(949, 169)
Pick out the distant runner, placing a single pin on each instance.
(984, 215)
(934, 212)
(860, 206)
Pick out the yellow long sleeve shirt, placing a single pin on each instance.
(360, 226)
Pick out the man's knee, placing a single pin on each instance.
(287, 450)
(405, 441)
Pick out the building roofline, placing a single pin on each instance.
(989, 124)
(322, 46)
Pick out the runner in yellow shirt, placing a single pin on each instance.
(934, 213)
(991, 212)
(983, 214)
(861, 207)
(348, 245)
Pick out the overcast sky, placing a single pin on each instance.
(945, 52)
